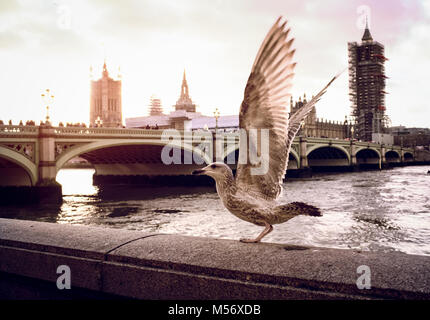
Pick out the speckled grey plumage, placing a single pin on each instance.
(253, 197)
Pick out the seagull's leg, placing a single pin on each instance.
(265, 232)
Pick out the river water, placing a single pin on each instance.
(372, 210)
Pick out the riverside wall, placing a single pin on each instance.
(116, 263)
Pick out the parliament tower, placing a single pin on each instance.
(367, 86)
(105, 101)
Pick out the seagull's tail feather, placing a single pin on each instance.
(298, 208)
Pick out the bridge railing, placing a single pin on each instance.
(124, 132)
(16, 129)
(105, 131)
(79, 131)
(355, 142)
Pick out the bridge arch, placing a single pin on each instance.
(319, 146)
(408, 156)
(376, 151)
(97, 145)
(392, 156)
(293, 156)
(22, 162)
(368, 157)
(293, 163)
(325, 157)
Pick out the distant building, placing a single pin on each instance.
(411, 137)
(105, 101)
(185, 117)
(181, 118)
(198, 122)
(224, 123)
(367, 86)
(319, 128)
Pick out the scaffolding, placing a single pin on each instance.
(155, 107)
(367, 88)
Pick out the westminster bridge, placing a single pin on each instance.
(33, 155)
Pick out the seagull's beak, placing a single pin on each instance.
(198, 172)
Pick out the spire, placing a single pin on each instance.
(105, 72)
(367, 36)
(184, 102)
(184, 89)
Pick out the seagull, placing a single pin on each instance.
(252, 196)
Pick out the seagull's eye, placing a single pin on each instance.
(213, 166)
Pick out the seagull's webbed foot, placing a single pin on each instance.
(265, 232)
(249, 240)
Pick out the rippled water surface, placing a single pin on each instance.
(373, 210)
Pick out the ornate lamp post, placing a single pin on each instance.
(346, 127)
(99, 122)
(48, 98)
(352, 132)
(303, 124)
(216, 114)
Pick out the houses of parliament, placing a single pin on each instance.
(106, 111)
(320, 128)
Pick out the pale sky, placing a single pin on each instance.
(51, 44)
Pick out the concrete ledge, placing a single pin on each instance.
(158, 266)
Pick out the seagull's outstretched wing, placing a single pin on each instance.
(264, 107)
(301, 114)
